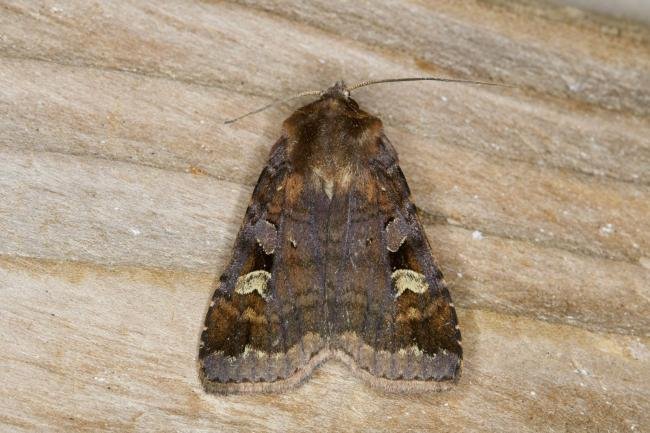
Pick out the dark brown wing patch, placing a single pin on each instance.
(257, 334)
(414, 342)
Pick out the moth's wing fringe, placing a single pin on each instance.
(293, 381)
(281, 385)
(390, 385)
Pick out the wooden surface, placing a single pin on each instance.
(121, 192)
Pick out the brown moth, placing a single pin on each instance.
(331, 262)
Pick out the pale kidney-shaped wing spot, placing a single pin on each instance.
(253, 281)
(406, 279)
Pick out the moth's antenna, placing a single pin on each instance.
(446, 80)
(280, 101)
(363, 84)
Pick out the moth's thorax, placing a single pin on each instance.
(331, 137)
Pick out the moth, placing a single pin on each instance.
(331, 261)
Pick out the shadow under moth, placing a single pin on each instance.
(331, 261)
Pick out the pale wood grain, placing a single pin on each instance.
(121, 192)
(481, 40)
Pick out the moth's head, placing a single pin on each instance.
(335, 100)
(339, 91)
